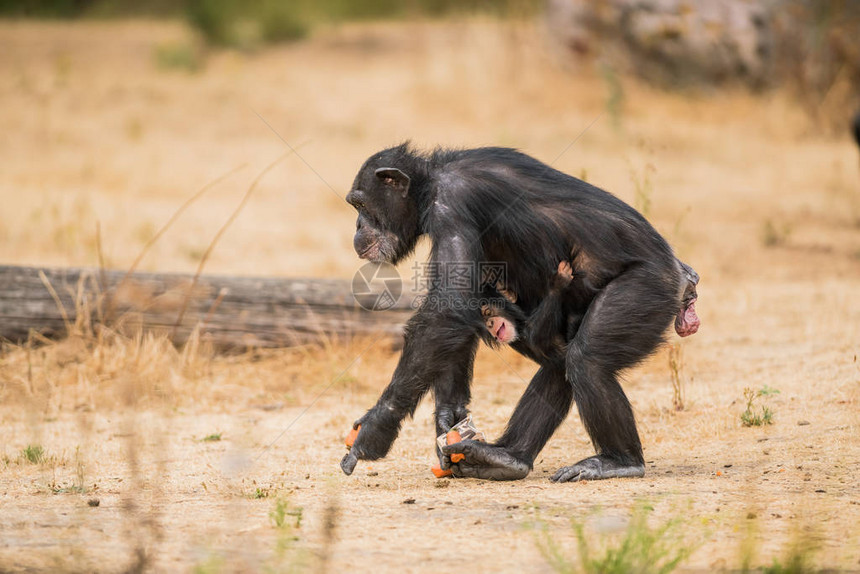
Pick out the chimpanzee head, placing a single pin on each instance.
(502, 328)
(388, 225)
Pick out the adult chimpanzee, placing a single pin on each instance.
(499, 205)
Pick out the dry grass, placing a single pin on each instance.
(94, 132)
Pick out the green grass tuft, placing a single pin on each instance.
(640, 548)
(754, 415)
(33, 453)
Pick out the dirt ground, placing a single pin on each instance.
(93, 131)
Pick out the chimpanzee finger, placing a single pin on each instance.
(358, 422)
(479, 453)
(348, 462)
(445, 419)
(486, 455)
(464, 447)
(567, 474)
(444, 460)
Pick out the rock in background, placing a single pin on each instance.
(811, 47)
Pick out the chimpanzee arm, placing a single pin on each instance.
(547, 326)
(452, 392)
(439, 348)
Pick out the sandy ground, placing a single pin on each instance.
(92, 131)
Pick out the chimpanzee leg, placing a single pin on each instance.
(452, 392)
(431, 343)
(623, 325)
(542, 408)
(452, 389)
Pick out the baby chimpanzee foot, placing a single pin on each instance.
(597, 468)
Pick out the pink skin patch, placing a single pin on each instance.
(502, 330)
(687, 322)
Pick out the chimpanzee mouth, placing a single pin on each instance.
(687, 321)
(365, 254)
(501, 332)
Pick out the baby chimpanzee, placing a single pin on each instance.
(556, 321)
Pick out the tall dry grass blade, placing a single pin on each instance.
(331, 517)
(217, 238)
(30, 387)
(214, 307)
(100, 252)
(152, 241)
(676, 368)
(50, 288)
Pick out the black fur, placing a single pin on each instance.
(499, 205)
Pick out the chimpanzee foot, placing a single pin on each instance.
(486, 461)
(597, 468)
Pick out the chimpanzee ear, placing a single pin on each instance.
(395, 178)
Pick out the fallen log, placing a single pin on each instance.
(231, 312)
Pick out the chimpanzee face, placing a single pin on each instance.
(503, 329)
(387, 226)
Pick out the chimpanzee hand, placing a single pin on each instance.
(379, 429)
(446, 417)
(486, 461)
(563, 276)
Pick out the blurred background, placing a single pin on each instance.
(727, 123)
(115, 112)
